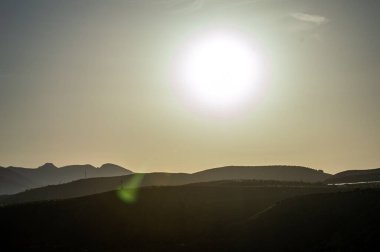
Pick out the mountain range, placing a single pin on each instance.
(90, 186)
(232, 208)
(48, 182)
(18, 179)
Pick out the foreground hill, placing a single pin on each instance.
(222, 216)
(98, 185)
(355, 176)
(340, 221)
(162, 217)
(17, 179)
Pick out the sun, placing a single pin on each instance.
(220, 70)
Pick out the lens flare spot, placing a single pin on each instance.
(128, 192)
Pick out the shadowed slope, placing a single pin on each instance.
(97, 185)
(162, 219)
(342, 221)
(355, 176)
(11, 181)
(280, 173)
(223, 216)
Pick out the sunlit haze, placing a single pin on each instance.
(220, 70)
(183, 86)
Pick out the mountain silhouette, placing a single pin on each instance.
(279, 172)
(18, 179)
(97, 185)
(12, 181)
(355, 176)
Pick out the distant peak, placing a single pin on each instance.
(48, 166)
(109, 165)
(113, 167)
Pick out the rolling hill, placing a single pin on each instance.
(355, 176)
(97, 185)
(275, 172)
(223, 216)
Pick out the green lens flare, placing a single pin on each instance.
(129, 190)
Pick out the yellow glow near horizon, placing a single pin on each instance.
(220, 70)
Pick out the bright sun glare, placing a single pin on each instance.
(220, 70)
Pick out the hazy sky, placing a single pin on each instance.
(92, 82)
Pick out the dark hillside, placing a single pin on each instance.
(342, 221)
(162, 218)
(97, 185)
(355, 176)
